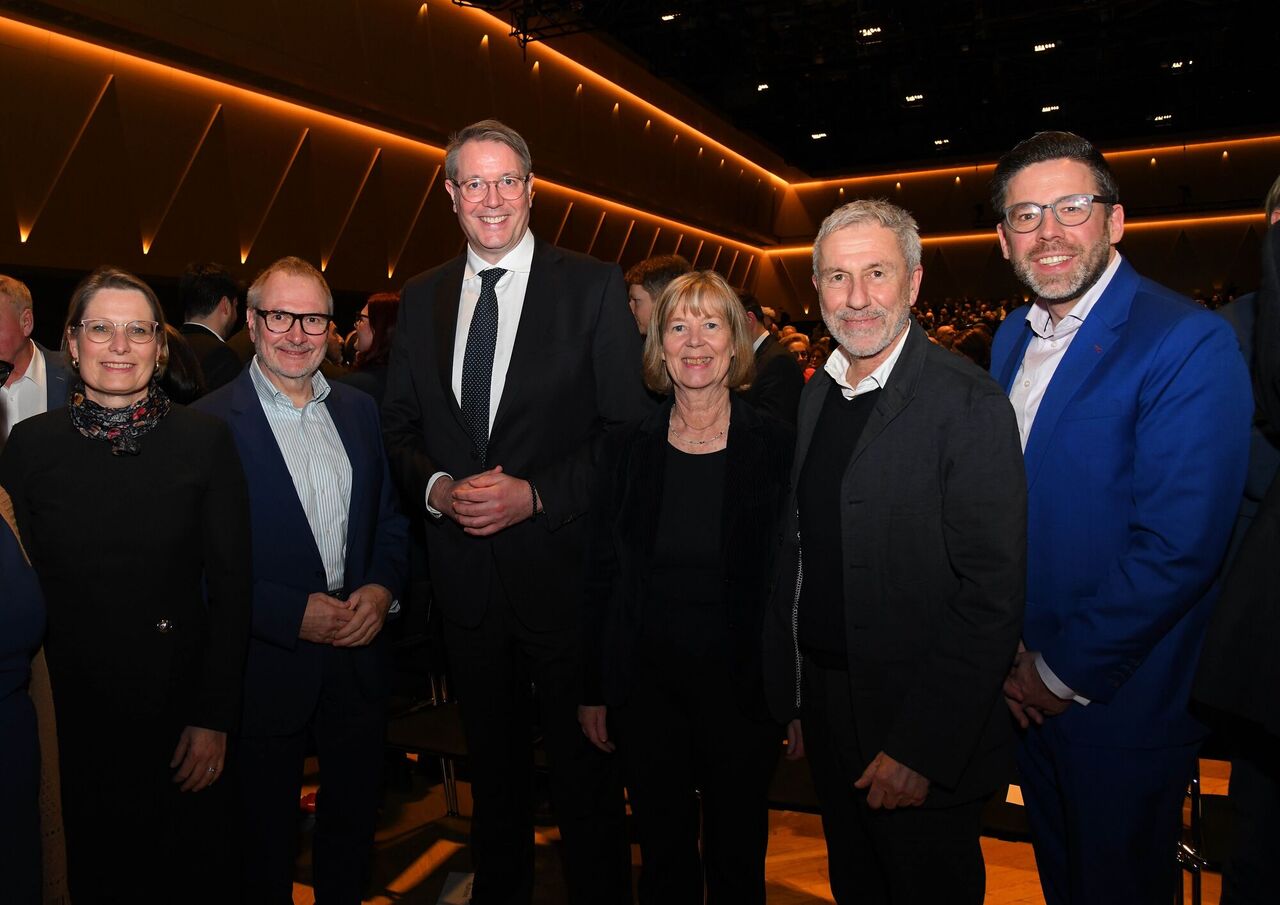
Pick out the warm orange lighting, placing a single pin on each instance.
(615, 109)
(148, 242)
(990, 236)
(324, 261)
(906, 174)
(395, 262)
(484, 42)
(1224, 143)
(578, 92)
(535, 67)
(1153, 161)
(898, 186)
(957, 180)
(1225, 154)
(422, 10)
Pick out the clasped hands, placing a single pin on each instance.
(353, 622)
(484, 503)
(1028, 698)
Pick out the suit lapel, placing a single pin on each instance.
(262, 457)
(1011, 364)
(536, 318)
(812, 398)
(900, 389)
(445, 311)
(1088, 348)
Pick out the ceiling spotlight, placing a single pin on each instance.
(939, 142)
(1051, 108)
(670, 16)
(869, 32)
(914, 98)
(816, 135)
(1162, 117)
(1041, 48)
(763, 86)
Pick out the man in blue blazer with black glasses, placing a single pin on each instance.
(1134, 408)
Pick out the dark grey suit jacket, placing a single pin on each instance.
(933, 525)
(778, 382)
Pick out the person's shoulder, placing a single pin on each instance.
(194, 423)
(422, 282)
(546, 254)
(217, 403)
(41, 429)
(1163, 311)
(951, 376)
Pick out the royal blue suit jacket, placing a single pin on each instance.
(282, 677)
(1135, 464)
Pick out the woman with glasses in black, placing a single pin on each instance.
(136, 518)
(375, 325)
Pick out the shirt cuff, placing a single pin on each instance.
(434, 513)
(1056, 685)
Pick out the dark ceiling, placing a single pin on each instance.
(898, 84)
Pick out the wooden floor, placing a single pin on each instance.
(418, 847)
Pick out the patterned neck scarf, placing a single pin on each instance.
(122, 428)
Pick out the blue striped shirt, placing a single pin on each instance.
(317, 462)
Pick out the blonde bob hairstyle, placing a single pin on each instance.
(700, 293)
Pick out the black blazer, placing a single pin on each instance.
(778, 382)
(57, 377)
(217, 362)
(575, 370)
(933, 523)
(624, 518)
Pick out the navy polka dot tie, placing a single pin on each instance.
(477, 363)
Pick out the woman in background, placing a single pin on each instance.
(375, 325)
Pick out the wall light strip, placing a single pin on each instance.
(150, 241)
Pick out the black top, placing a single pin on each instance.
(822, 625)
(686, 552)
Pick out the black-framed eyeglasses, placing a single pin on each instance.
(509, 187)
(1069, 210)
(278, 321)
(99, 330)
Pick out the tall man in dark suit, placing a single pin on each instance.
(779, 380)
(1133, 405)
(507, 363)
(329, 557)
(891, 633)
(210, 301)
(39, 381)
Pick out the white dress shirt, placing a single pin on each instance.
(1045, 351)
(317, 462)
(838, 367)
(26, 396)
(510, 289)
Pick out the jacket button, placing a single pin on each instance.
(164, 626)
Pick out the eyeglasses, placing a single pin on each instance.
(509, 187)
(359, 318)
(1069, 210)
(282, 321)
(102, 331)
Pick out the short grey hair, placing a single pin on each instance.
(295, 267)
(15, 292)
(486, 130)
(879, 212)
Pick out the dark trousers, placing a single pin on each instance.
(492, 667)
(682, 731)
(1104, 821)
(1249, 871)
(905, 856)
(348, 729)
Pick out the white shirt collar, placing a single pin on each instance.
(837, 367)
(755, 346)
(35, 372)
(518, 259)
(270, 394)
(1042, 323)
(212, 332)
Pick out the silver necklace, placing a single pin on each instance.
(671, 428)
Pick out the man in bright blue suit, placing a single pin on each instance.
(1134, 407)
(329, 556)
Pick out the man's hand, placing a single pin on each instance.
(324, 618)
(441, 497)
(892, 785)
(485, 503)
(795, 741)
(199, 757)
(368, 608)
(594, 723)
(1028, 698)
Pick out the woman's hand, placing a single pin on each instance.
(795, 740)
(594, 722)
(199, 757)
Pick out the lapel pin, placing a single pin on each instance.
(1097, 348)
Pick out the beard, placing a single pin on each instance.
(1087, 268)
(863, 344)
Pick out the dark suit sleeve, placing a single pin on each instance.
(602, 568)
(1191, 450)
(220, 366)
(389, 563)
(984, 520)
(1266, 342)
(402, 412)
(777, 387)
(228, 586)
(565, 486)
